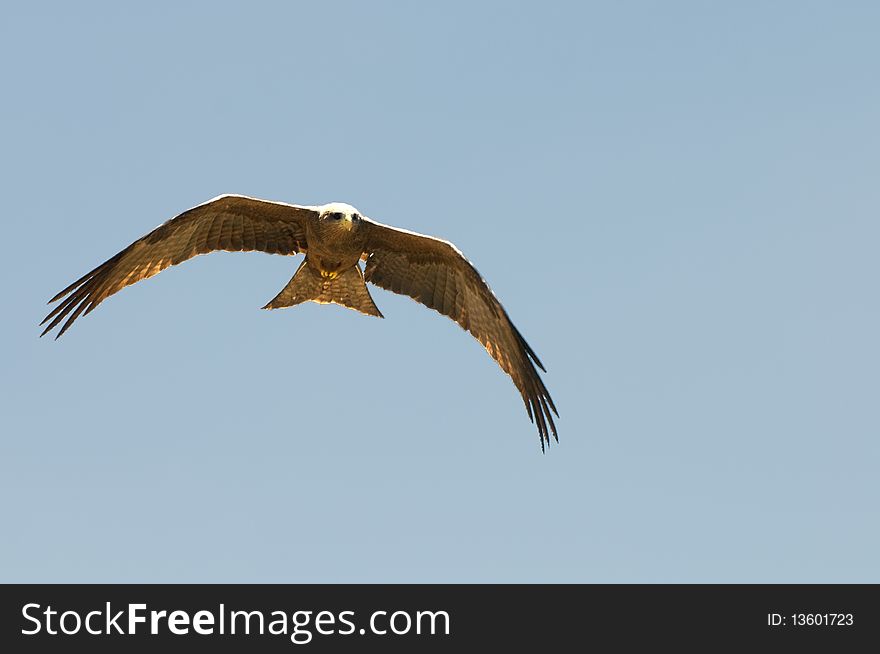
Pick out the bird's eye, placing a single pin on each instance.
(355, 216)
(336, 215)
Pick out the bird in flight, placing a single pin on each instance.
(334, 237)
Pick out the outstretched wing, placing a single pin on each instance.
(435, 273)
(229, 222)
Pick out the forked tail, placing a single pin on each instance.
(307, 285)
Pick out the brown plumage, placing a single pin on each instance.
(334, 237)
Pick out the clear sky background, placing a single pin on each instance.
(678, 204)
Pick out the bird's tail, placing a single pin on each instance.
(307, 285)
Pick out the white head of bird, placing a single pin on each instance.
(339, 213)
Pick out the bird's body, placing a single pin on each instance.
(335, 238)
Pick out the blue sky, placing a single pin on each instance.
(676, 202)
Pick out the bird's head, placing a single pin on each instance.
(339, 214)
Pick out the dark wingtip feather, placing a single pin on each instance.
(72, 306)
(528, 348)
(61, 294)
(536, 359)
(78, 282)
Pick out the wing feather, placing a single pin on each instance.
(232, 223)
(435, 273)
